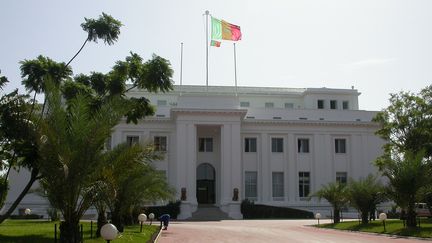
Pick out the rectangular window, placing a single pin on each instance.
(250, 145)
(320, 104)
(277, 145)
(345, 105)
(341, 177)
(289, 105)
(244, 104)
(160, 143)
(278, 186)
(161, 102)
(269, 105)
(340, 145)
(132, 140)
(333, 104)
(303, 145)
(205, 145)
(304, 184)
(251, 185)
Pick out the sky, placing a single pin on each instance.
(377, 46)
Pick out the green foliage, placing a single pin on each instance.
(3, 81)
(250, 210)
(35, 73)
(4, 187)
(365, 194)
(172, 208)
(407, 175)
(407, 123)
(105, 27)
(335, 193)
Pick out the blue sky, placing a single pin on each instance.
(379, 47)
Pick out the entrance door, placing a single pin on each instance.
(205, 184)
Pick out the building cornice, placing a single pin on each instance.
(312, 123)
(233, 112)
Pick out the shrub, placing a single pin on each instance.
(250, 210)
(29, 216)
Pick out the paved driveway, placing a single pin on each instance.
(265, 231)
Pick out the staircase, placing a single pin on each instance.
(208, 212)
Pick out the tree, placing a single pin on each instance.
(335, 194)
(407, 175)
(364, 195)
(71, 155)
(406, 124)
(131, 180)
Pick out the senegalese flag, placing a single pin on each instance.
(224, 30)
(215, 43)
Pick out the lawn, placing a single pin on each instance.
(393, 227)
(43, 231)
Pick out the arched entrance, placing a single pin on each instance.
(205, 184)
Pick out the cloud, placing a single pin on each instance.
(368, 63)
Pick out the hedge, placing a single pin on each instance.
(250, 210)
(172, 208)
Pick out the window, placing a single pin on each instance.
(205, 145)
(341, 177)
(250, 145)
(244, 104)
(161, 102)
(277, 145)
(303, 145)
(160, 143)
(132, 140)
(304, 184)
(320, 104)
(251, 188)
(289, 105)
(345, 105)
(333, 104)
(278, 186)
(269, 105)
(340, 145)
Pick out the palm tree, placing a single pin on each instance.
(364, 195)
(131, 180)
(407, 175)
(335, 194)
(71, 155)
(105, 27)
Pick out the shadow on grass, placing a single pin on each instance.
(24, 239)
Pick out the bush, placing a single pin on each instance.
(250, 210)
(172, 208)
(53, 213)
(29, 216)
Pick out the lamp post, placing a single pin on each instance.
(109, 232)
(383, 218)
(151, 217)
(141, 218)
(318, 216)
(27, 211)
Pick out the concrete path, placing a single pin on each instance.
(265, 231)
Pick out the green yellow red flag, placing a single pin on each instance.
(222, 30)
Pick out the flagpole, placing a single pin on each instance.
(235, 68)
(181, 68)
(207, 48)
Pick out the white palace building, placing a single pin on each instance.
(270, 145)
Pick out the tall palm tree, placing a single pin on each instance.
(364, 195)
(105, 27)
(71, 155)
(335, 194)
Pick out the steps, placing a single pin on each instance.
(208, 213)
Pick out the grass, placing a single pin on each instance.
(37, 231)
(393, 227)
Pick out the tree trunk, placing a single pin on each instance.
(101, 221)
(70, 231)
(365, 217)
(336, 215)
(411, 220)
(117, 220)
(33, 178)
